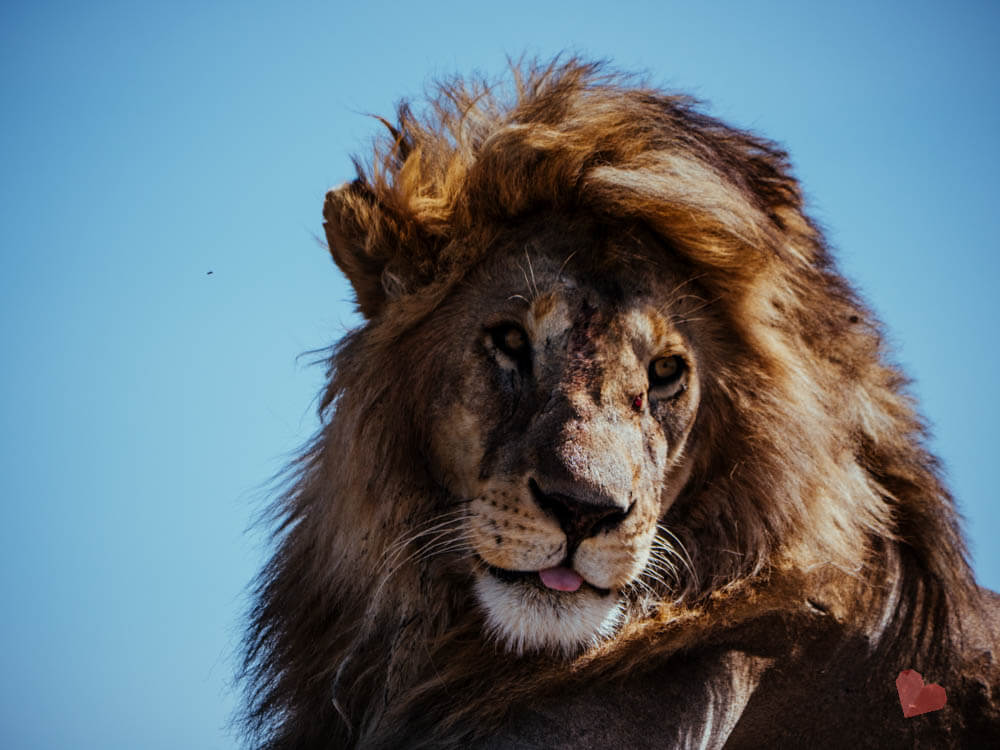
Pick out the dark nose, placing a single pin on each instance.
(578, 518)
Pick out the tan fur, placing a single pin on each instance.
(783, 534)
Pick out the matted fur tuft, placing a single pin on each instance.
(816, 478)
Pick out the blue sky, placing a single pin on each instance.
(146, 403)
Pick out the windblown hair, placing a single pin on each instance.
(813, 467)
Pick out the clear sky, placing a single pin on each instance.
(145, 402)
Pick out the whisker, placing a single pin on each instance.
(446, 549)
(690, 280)
(443, 522)
(441, 539)
(392, 553)
(677, 549)
(702, 306)
(564, 263)
(439, 546)
(534, 283)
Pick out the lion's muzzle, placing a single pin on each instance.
(578, 515)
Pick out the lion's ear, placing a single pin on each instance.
(363, 238)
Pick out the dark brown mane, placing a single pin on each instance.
(817, 479)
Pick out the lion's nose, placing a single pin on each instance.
(578, 518)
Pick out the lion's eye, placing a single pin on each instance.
(666, 372)
(511, 340)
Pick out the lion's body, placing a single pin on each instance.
(615, 460)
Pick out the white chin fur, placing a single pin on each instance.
(524, 618)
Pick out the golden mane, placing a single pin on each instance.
(816, 499)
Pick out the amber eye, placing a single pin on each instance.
(666, 372)
(511, 340)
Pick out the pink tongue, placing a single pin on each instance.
(560, 578)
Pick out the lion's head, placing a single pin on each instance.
(563, 426)
(608, 375)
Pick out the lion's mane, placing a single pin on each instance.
(817, 476)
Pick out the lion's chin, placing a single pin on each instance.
(527, 618)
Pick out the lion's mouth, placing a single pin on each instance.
(560, 579)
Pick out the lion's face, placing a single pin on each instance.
(565, 436)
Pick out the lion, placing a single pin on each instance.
(617, 458)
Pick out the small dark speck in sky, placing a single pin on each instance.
(209, 273)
